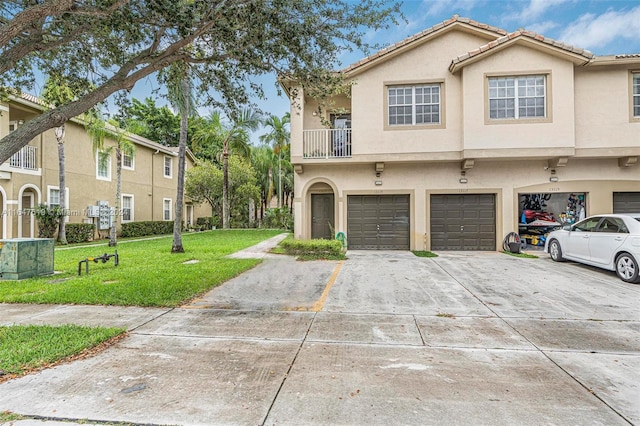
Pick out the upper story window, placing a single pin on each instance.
(168, 162)
(520, 97)
(636, 95)
(127, 161)
(414, 105)
(103, 165)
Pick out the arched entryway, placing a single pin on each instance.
(29, 197)
(323, 211)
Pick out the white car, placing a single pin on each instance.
(608, 241)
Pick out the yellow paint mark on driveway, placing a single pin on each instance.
(317, 307)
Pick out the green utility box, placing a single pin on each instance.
(26, 257)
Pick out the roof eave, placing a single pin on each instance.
(577, 58)
(32, 102)
(615, 60)
(412, 42)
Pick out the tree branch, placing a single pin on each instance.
(23, 21)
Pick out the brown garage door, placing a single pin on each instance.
(378, 222)
(463, 222)
(626, 202)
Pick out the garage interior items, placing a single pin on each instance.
(543, 212)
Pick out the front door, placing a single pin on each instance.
(27, 215)
(322, 222)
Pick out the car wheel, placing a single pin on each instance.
(627, 268)
(555, 251)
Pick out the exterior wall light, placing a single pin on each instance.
(463, 177)
(553, 177)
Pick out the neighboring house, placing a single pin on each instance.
(447, 137)
(30, 177)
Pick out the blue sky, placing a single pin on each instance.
(602, 27)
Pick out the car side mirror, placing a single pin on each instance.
(567, 227)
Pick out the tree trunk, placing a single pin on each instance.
(280, 179)
(62, 233)
(182, 149)
(225, 191)
(114, 223)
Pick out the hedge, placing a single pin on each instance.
(140, 229)
(79, 232)
(205, 222)
(312, 247)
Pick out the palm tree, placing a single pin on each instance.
(262, 160)
(181, 98)
(57, 93)
(98, 129)
(278, 137)
(220, 138)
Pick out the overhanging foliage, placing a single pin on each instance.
(102, 47)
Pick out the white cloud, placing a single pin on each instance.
(595, 31)
(542, 27)
(436, 7)
(537, 8)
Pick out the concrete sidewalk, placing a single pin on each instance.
(381, 338)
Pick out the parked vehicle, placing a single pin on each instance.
(609, 241)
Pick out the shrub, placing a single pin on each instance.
(205, 222)
(140, 229)
(48, 219)
(313, 249)
(79, 232)
(278, 218)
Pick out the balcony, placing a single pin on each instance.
(24, 159)
(327, 143)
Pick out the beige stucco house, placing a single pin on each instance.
(448, 138)
(30, 177)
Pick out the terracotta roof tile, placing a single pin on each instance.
(522, 33)
(422, 34)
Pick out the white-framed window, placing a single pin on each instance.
(168, 166)
(635, 85)
(519, 97)
(127, 161)
(127, 207)
(166, 208)
(414, 105)
(103, 165)
(53, 198)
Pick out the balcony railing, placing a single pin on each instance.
(327, 143)
(24, 159)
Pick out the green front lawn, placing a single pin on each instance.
(24, 348)
(148, 273)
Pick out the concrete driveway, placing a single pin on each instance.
(381, 338)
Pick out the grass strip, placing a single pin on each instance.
(25, 348)
(423, 253)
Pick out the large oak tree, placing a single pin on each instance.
(103, 47)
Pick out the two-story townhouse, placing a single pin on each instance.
(30, 177)
(448, 137)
